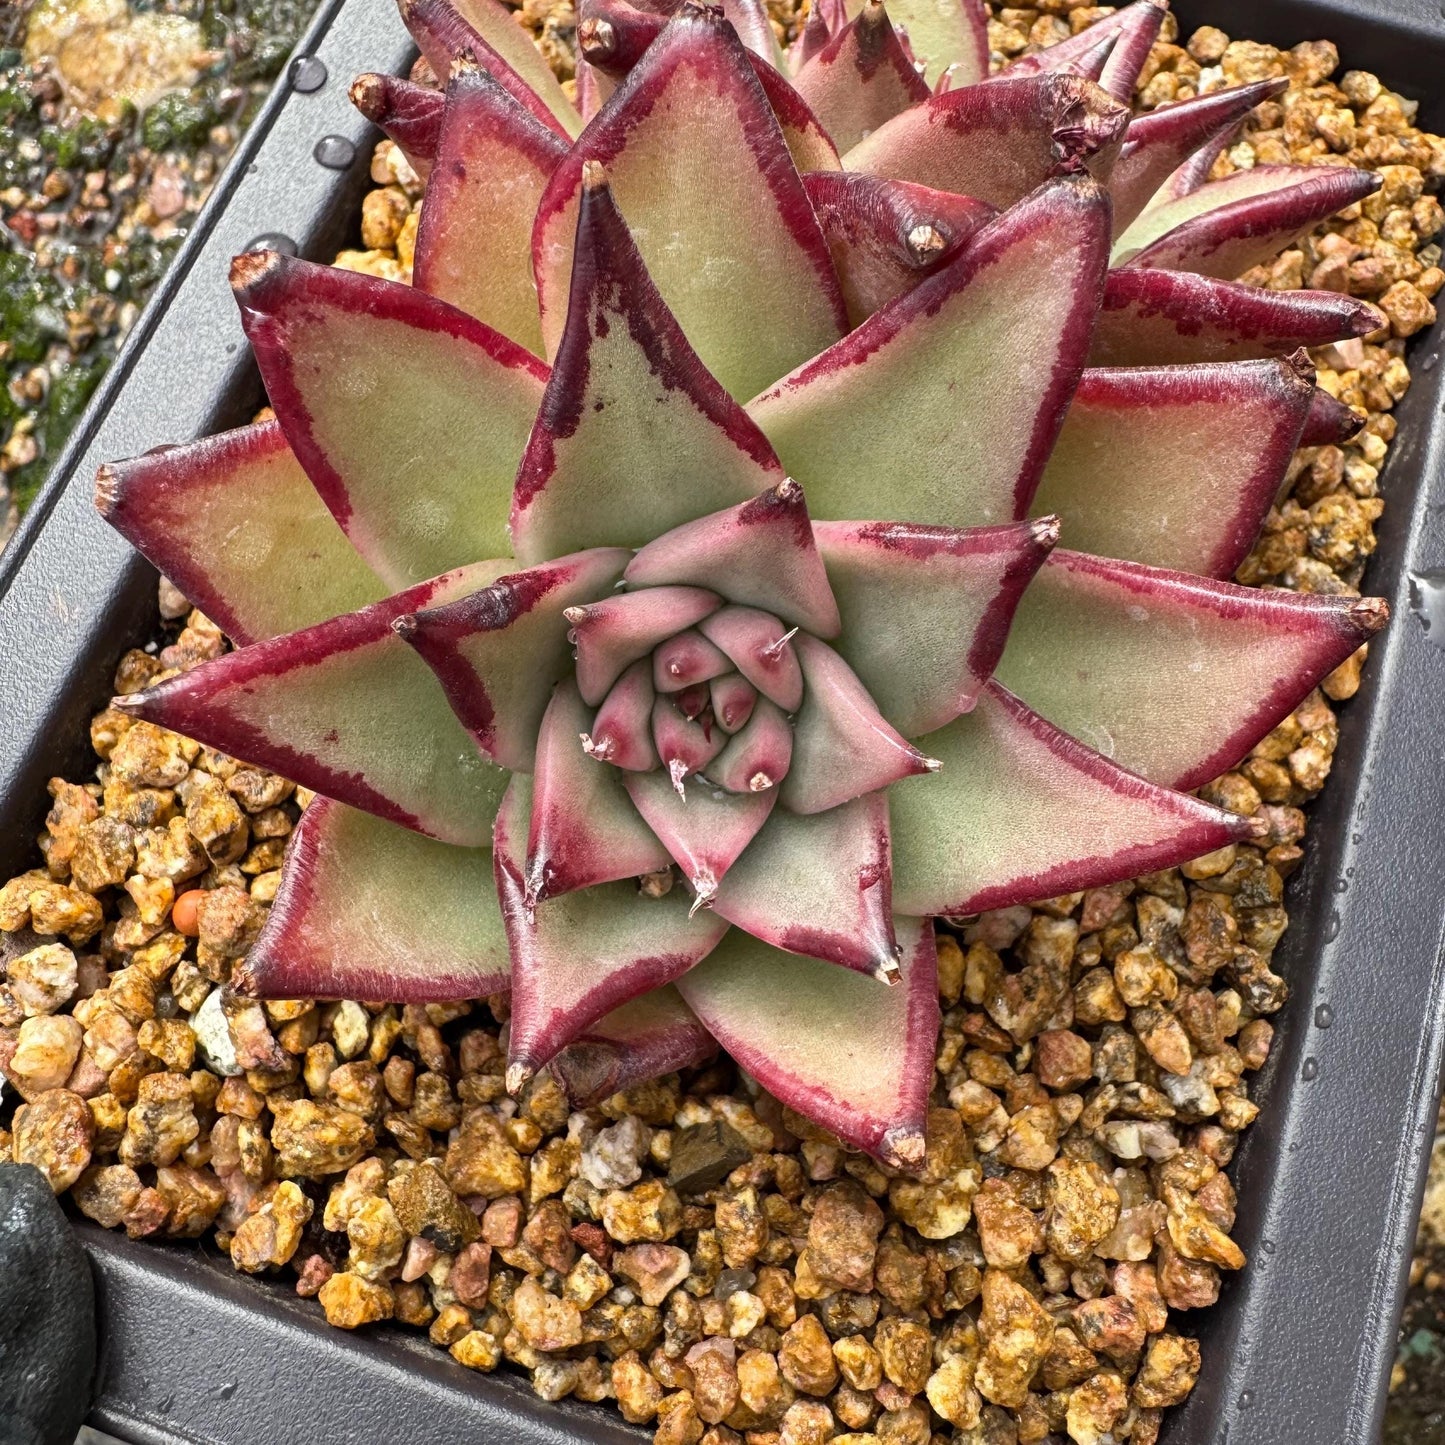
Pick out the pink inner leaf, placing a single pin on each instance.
(584, 831)
(759, 554)
(578, 957)
(761, 650)
(843, 746)
(704, 831)
(615, 632)
(498, 652)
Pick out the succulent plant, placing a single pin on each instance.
(753, 579)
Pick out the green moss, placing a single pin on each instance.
(179, 120)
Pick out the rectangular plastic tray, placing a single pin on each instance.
(1300, 1345)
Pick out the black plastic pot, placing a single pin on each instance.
(1300, 1346)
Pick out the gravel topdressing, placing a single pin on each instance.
(720, 1268)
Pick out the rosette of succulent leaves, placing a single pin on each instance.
(661, 593)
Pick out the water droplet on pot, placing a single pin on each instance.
(1268, 1246)
(1310, 1070)
(1332, 928)
(272, 241)
(1246, 1399)
(307, 74)
(1427, 603)
(334, 152)
(1324, 1016)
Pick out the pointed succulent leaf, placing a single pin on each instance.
(843, 746)
(1128, 25)
(750, 19)
(759, 752)
(409, 114)
(861, 79)
(885, 236)
(926, 610)
(813, 37)
(761, 650)
(498, 651)
(1227, 226)
(864, 1065)
(686, 659)
(703, 176)
(485, 30)
(733, 699)
(760, 554)
(369, 910)
(578, 957)
(473, 242)
(704, 830)
(1139, 453)
(1171, 676)
(594, 87)
(622, 730)
(820, 885)
(413, 372)
(810, 146)
(653, 1035)
(1090, 63)
(345, 709)
(1329, 421)
(614, 632)
(584, 830)
(234, 522)
(1160, 141)
(875, 421)
(634, 435)
(685, 743)
(998, 142)
(943, 36)
(1022, 810)
(1138, 29)
(613, 36)
(1158, 318)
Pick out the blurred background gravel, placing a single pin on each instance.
(115, 119)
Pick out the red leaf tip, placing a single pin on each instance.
(596, 38)
(1369, 614)
(1045, 532)
(924, 243)
(594, 177)
(107, 489)
(368, 94)
(904, 1148)
(519, 1075)
(251, 268)
(1299, 362)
